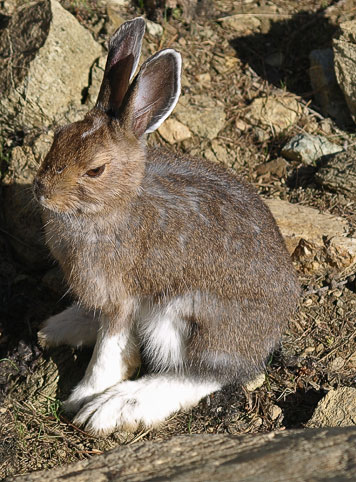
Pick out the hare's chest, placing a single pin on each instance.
(95, 278)
(90, 266)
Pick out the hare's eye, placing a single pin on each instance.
(95, 172)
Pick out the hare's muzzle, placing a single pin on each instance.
(38, 189)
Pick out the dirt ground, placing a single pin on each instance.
(317, 353)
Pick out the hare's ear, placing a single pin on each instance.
(154, 93)
(121, 64)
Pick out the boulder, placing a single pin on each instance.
(336, 409)
(300, 224)
(344, 46)
(21, 212)
(45, 61)
(326, 91)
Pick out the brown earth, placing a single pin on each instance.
(318, 352)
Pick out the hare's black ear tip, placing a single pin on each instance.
(138, 23)
(136, 27)
(175, 56)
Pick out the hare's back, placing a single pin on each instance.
(209, 195)
(196, 225)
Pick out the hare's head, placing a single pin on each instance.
(96, 163)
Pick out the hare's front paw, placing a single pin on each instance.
(72, 326)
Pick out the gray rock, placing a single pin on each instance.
(154, 29)
(202, 115)
(336, 409)
(327, 92)
(308, 148)
(345, 63)
(45, 59)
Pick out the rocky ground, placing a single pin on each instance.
(259, 93)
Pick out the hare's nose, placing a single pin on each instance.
(38, 189)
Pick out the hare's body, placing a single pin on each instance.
(192, 231)
(172, 255)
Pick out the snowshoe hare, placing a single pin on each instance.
(172, 259)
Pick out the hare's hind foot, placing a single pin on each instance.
(73, 326)
(146, 402)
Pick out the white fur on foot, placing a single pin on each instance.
(106, 368)
(72, 326)
(145, 402)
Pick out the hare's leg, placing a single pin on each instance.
(143, 403)
(73, 326)
(115, 357)
(151, 399)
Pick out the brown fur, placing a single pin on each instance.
(156, 225)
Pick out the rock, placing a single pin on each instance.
(276, 412)
(118, 3)
(339, 174)
(298, 222)
(154, 29)
(203, 79)
(115, 18)
(261, 135)
(201, 107)
(326, 90)
(336, 409)
(220, 151)
(344, 46)
(241, 125)
(342, 251)
(257, 382)
(97, 74)
(41, 146)
(21, 212)
(308, 148)
(336, 365)
(276, 167)
(276, 113)
(174, 131)
(45, 59)
(242, 24)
